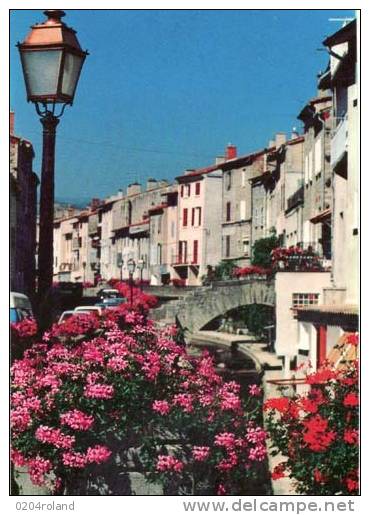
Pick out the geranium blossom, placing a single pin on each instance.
(78, 420)
(165, 463)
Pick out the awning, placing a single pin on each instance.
(321, 217)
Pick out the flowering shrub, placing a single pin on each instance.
(249, 270)
(318, 433)
(77, 402)
(295, 258)
(22, 336)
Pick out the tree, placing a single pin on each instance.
(262, 250)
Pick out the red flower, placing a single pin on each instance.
(351, 436)
(351, 484)
(350, 400)
(316, 436)
(319, 477)
(282, 404)
(352, 338)
(278, 472)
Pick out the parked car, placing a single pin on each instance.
(70, 313)
(113, 302)
(108, 293)
(89, 309)
(20, 307)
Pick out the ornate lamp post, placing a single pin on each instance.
(140, 266)
(131, 265)
(52, 60)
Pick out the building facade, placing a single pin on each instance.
(23, 214)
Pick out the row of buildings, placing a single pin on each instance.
(303, 188)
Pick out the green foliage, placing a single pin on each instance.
(262, 251)
(224, 270)
(256, 317)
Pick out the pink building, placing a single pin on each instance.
(199, 223)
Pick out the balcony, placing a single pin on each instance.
(296, 199)
(339, 142)
(303, 258)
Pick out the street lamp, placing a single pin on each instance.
(140, 266)
(120, 266)
(131, 265)
(52, 60)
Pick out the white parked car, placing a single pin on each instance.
(89, 309)
(70, 313)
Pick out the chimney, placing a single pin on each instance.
(280, 139)
(94, 204)
(151, 184)
(11, 123)
(219, 160)
(231, 151)
(134, 188)
(189, 171)
(120, 193)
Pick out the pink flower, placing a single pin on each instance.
(74, 459)
(20, 419)
(200, 453)
(185, 400)
(161, 407)
(117, 363)
(37, 468)
(221, 490)
(165, 463)
(99, 391)
(17, 458)
(78, 420)
(98, 454)
(225, 440)
(254, 390)
(256, 435)
(54, 437)
(257, 453)
(230, 401)
(152, 364)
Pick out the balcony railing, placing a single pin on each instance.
(339, 141)
(184, 260)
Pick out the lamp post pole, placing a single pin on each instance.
(45, 258)
(131, 265)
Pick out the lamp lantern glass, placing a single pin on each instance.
(52, 60)
(131, 266)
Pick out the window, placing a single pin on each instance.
(192, 216)
(195, 251)
(197, 188)
(228, 181)
(182, 190)
(228, 211)
(159, 254)
(227, 246)
(188, 190)
(304, 299)
(199, 211)
(243, 210)
(185, 217)
(246, 247)
(244, 175)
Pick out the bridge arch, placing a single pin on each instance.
(205, 304)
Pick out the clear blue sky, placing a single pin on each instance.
(162, 91)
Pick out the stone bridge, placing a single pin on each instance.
(201, 305)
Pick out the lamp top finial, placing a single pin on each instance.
(54, 15)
